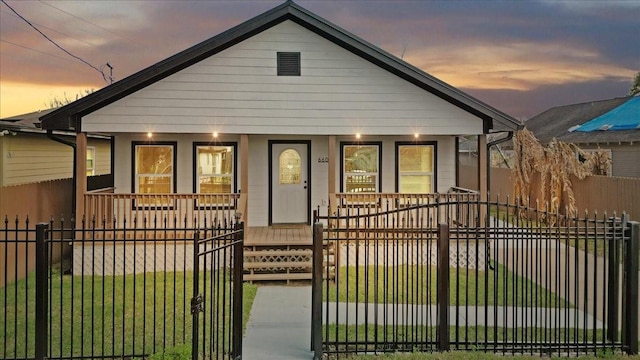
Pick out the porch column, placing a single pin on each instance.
(244, 173)
(482, 166)
(332, 164)
(81, 173)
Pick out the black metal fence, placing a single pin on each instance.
(491, 276)
(216, 305)
(86, 290)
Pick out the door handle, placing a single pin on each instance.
(305, 187)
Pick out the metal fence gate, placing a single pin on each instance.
(97, 289)
(216, 305)
(473, 275)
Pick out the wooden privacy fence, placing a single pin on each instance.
(596, 193)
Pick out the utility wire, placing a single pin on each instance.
(56, 44)
(32, 49)
(87, 21)
(14, 16)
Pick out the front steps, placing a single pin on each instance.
(281, 261)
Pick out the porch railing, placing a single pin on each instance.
(181, 211)
(454, 207)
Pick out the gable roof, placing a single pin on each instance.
(556, 123)
(68, 117)
(623, 117)
(24, 122)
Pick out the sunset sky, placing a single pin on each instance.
(519, 56)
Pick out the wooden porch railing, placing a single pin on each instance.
(171, 211)
(458, 206)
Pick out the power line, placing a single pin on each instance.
(50, 29)
(32, 49)
(87, 21)
(54, 43)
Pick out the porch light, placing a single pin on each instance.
(149, 135)
(215, 134)
(358, 136)
(416, 135)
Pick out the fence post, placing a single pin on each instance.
(316, 292)
(443, 287)
(613, 281)
(238, 301)
(630, 289)
(196, 299)
(42, 293)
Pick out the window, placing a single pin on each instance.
(360, 168)
(288, 64)
(416, 167)
(215, 168)
(91, 159)
(290, 167)
(154, 168)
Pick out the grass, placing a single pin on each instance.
(589, 245)
(474, 355)
(418, 342)
(110, 315)
(416, 284)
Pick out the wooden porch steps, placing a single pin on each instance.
(280, 253)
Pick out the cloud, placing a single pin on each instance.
(516, 66)
(480, 45)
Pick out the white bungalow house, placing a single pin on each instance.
(272, 118)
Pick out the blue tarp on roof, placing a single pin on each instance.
(624, 117)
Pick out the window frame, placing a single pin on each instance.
(344, 174)
(234, 175)
(434, 173)
(91, 149)
(134, 175)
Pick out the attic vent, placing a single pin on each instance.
(288, 64)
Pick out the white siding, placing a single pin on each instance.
(446, 169)
(184, 153)
(258, 211)
(626, 160)
(258, 201)
(103, 155)
(237, 91)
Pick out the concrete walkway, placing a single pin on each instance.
(279, 325)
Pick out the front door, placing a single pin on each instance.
(289, 182)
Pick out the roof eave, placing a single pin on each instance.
(65, 117)
(62, 119)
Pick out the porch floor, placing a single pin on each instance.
(279, 235)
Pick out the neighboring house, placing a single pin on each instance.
(610, 125)
(278, 114)
(29, 157)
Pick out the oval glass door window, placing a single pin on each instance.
(290, 167)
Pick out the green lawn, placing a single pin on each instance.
(467, 355)
(110, 315)
(589, 245)
(404, 338)
(413, 284)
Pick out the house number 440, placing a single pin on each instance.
(323, 159)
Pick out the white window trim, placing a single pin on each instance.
(91, 149)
